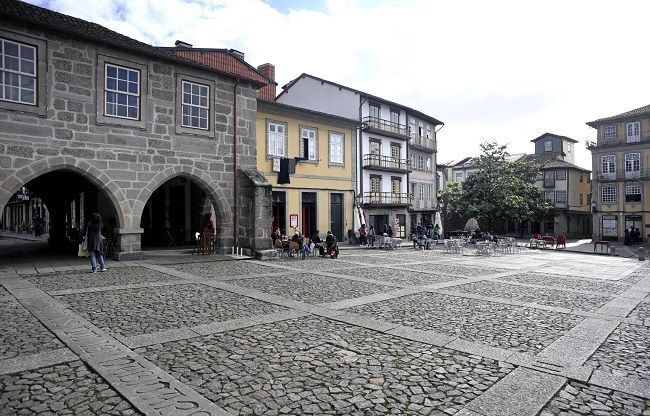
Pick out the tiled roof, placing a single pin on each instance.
(554, 135)
(265, 105)
(413, 111)
(550, 160)
(638, 112)
(223, 60)
(45, 18)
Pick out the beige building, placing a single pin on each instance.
(621, 160)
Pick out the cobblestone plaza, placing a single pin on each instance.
(401, 332)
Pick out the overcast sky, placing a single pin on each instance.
(498, 69)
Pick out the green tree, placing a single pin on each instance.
(501, 190)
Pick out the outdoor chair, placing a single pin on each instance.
(294, 249)
(279, 248)
(561, 241)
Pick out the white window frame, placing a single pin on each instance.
(190, 105)
(119, 92)
(548, 145)
(336, 151)
(608, 194)
(633, 190)
(632, 165)
(428, 167)
(549, 196)
(608, 164)
(276, 141)
(311, 135)
(609, 133)
(19, 72)
(421, 191)
(633, 130)
(560, 197)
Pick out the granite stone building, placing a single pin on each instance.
(91, 120)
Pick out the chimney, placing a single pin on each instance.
(237, 53)
(268, 92)
(181, 44)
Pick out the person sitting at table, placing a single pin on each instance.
(332, 246)
(390, 231)
(363, 235)
(297, 237)
(318, 243)
(371, 236)
(276, 235)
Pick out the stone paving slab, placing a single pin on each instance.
(585, 399)
(311, 288)
(404, 277)
(604, 287)
(537, 295)
(152, 309)
(494, 324)
(224, 269)
(68, 388)
(113, 277)
(21, 333)
(625, 352)
(316, 366)
(26, 362)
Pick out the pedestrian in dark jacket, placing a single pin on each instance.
(94, 242)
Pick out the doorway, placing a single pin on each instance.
(309, 223)
(336, 215)
(279, 212)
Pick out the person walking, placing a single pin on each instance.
(94, 243)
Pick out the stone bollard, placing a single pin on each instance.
(641, 253)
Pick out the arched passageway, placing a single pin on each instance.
(174, 213)
(57, 204)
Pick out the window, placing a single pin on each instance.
(560, 197)
(633, 132)
(632, 165)
(277, 139)
(428, 167)
(336, 147)
(396, 185)
(17, 72)
(429, 132)
(421, 162)
(539, 176)
(608, 163)
(309, 144)
(610, 133)
(633, 193)
(412, 127)
(414, 160)
(374, 110)
(582, 199)
(375, 184)
(196, 106)
(568, 147)
(549, 179)
(588, 199)
(560, 174)
(548, 146)
(375, 147)
(421, 191)
(122, 98)
(549, 196)
(395, 151)
(429, 189)
(394, 116)
(458, 176)
(608, 194)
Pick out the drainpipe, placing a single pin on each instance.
(360, 147)
(234, 168)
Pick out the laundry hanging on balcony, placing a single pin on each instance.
(283, 175)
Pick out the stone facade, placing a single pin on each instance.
(127, 160)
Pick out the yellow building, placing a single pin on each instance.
(318, 151)
(621, 165)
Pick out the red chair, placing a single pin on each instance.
(550, 240)
(536, 237)
(561, 241)
(333, 251)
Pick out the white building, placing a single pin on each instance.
(392, 142)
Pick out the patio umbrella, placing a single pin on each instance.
(362, 217)
(472, 225)
(355, 219)
(438, 222)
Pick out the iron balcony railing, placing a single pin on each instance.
(620, 176)
(590, 144)
(386, 126)
(387, 198)
(386, 162)
(423, 142)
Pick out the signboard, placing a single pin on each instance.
(610, 226)
(293, 220)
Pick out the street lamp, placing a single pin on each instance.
(593, 207)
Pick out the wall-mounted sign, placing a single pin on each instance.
(293, 220)
(610, 228)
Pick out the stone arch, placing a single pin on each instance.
(79, 166)
(202, 179)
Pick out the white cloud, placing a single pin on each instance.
(503, 69)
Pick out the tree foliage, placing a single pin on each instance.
(501, 190)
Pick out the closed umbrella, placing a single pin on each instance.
(472, 225)
(355, 218)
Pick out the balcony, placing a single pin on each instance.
(423, 143)
(622, 176)
(386, 163)
(605, 143)
(386, 128)
(423, 204)
(384, 199)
